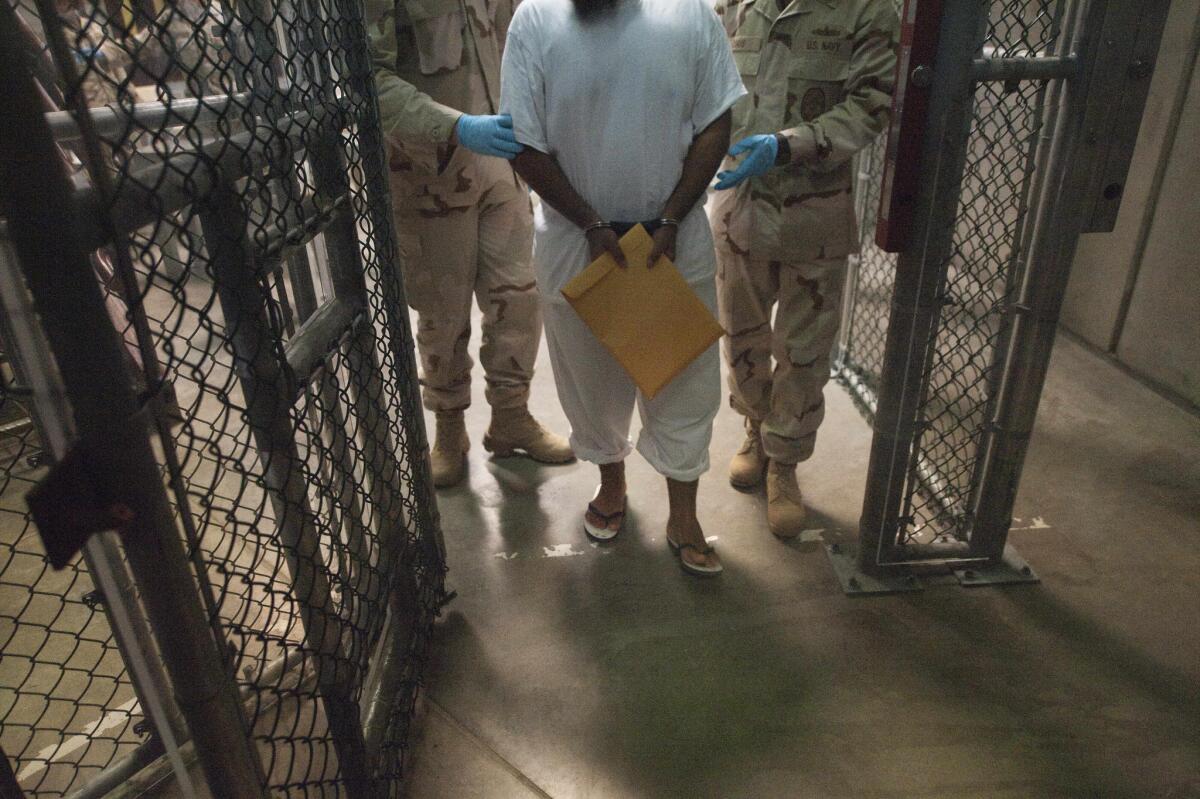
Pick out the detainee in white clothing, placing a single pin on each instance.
(621, 105)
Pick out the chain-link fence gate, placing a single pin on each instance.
(207, 349)
(1034, 107)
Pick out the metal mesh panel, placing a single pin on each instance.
(859, 360)
(963, 355)
(234, 185)
(1022, 28)
(871, 275)
(66, 708)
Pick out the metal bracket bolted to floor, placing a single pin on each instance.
(1012, 569)
(856, 582)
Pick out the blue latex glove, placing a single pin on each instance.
(488, 135)
(763, 150)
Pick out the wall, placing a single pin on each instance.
(1135, 292)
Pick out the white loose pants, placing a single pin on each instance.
(598, 396)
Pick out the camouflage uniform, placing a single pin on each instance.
(464, 221)
(102, 60)
(820, 72)
(195, 54)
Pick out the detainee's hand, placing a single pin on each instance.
(605, 240)
(664, 244)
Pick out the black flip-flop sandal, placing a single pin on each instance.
(604, 533)
(691, 568)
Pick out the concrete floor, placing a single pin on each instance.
(569, 670)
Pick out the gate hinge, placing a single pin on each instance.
(87, 491)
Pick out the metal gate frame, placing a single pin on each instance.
(1092, 90)
(113, 591)
(114, 448)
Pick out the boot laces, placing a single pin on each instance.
(786, 485)
(752, 442)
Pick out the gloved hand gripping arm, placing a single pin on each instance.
(408, 114)
(487, 135)
(702, 160)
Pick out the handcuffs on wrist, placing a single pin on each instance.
(623, 227)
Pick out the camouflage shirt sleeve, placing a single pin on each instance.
(721, 7)
(854, 123)
(405, 112)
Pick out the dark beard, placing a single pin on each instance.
(588, 9)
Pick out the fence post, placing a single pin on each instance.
(34, 193)
(1046, 111)
(1116, 36)
(920, 275)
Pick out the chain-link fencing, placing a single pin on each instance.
(228, 188)
(859, 360)
(964, 354)
(67, 709)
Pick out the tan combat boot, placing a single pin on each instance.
(747, 467)
(513, 430)
(785, 507)
(449, 455)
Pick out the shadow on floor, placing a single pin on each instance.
(602, 671)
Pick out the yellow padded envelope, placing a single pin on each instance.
(649, 319)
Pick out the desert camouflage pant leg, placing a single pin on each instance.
(482, 251)
(787, 398)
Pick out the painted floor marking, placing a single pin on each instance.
(561, 551)
(42, 760)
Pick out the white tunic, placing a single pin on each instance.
(617, 99)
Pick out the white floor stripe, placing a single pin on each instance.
(561, 551)
(59, 751)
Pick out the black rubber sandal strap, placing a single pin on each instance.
(707, 550)
(605, 517)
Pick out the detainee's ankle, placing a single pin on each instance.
(614, 486)
(682, 518)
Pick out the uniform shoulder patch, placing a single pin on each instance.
(813, 104)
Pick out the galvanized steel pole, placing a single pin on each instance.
(920, 276)
(1105, 75)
